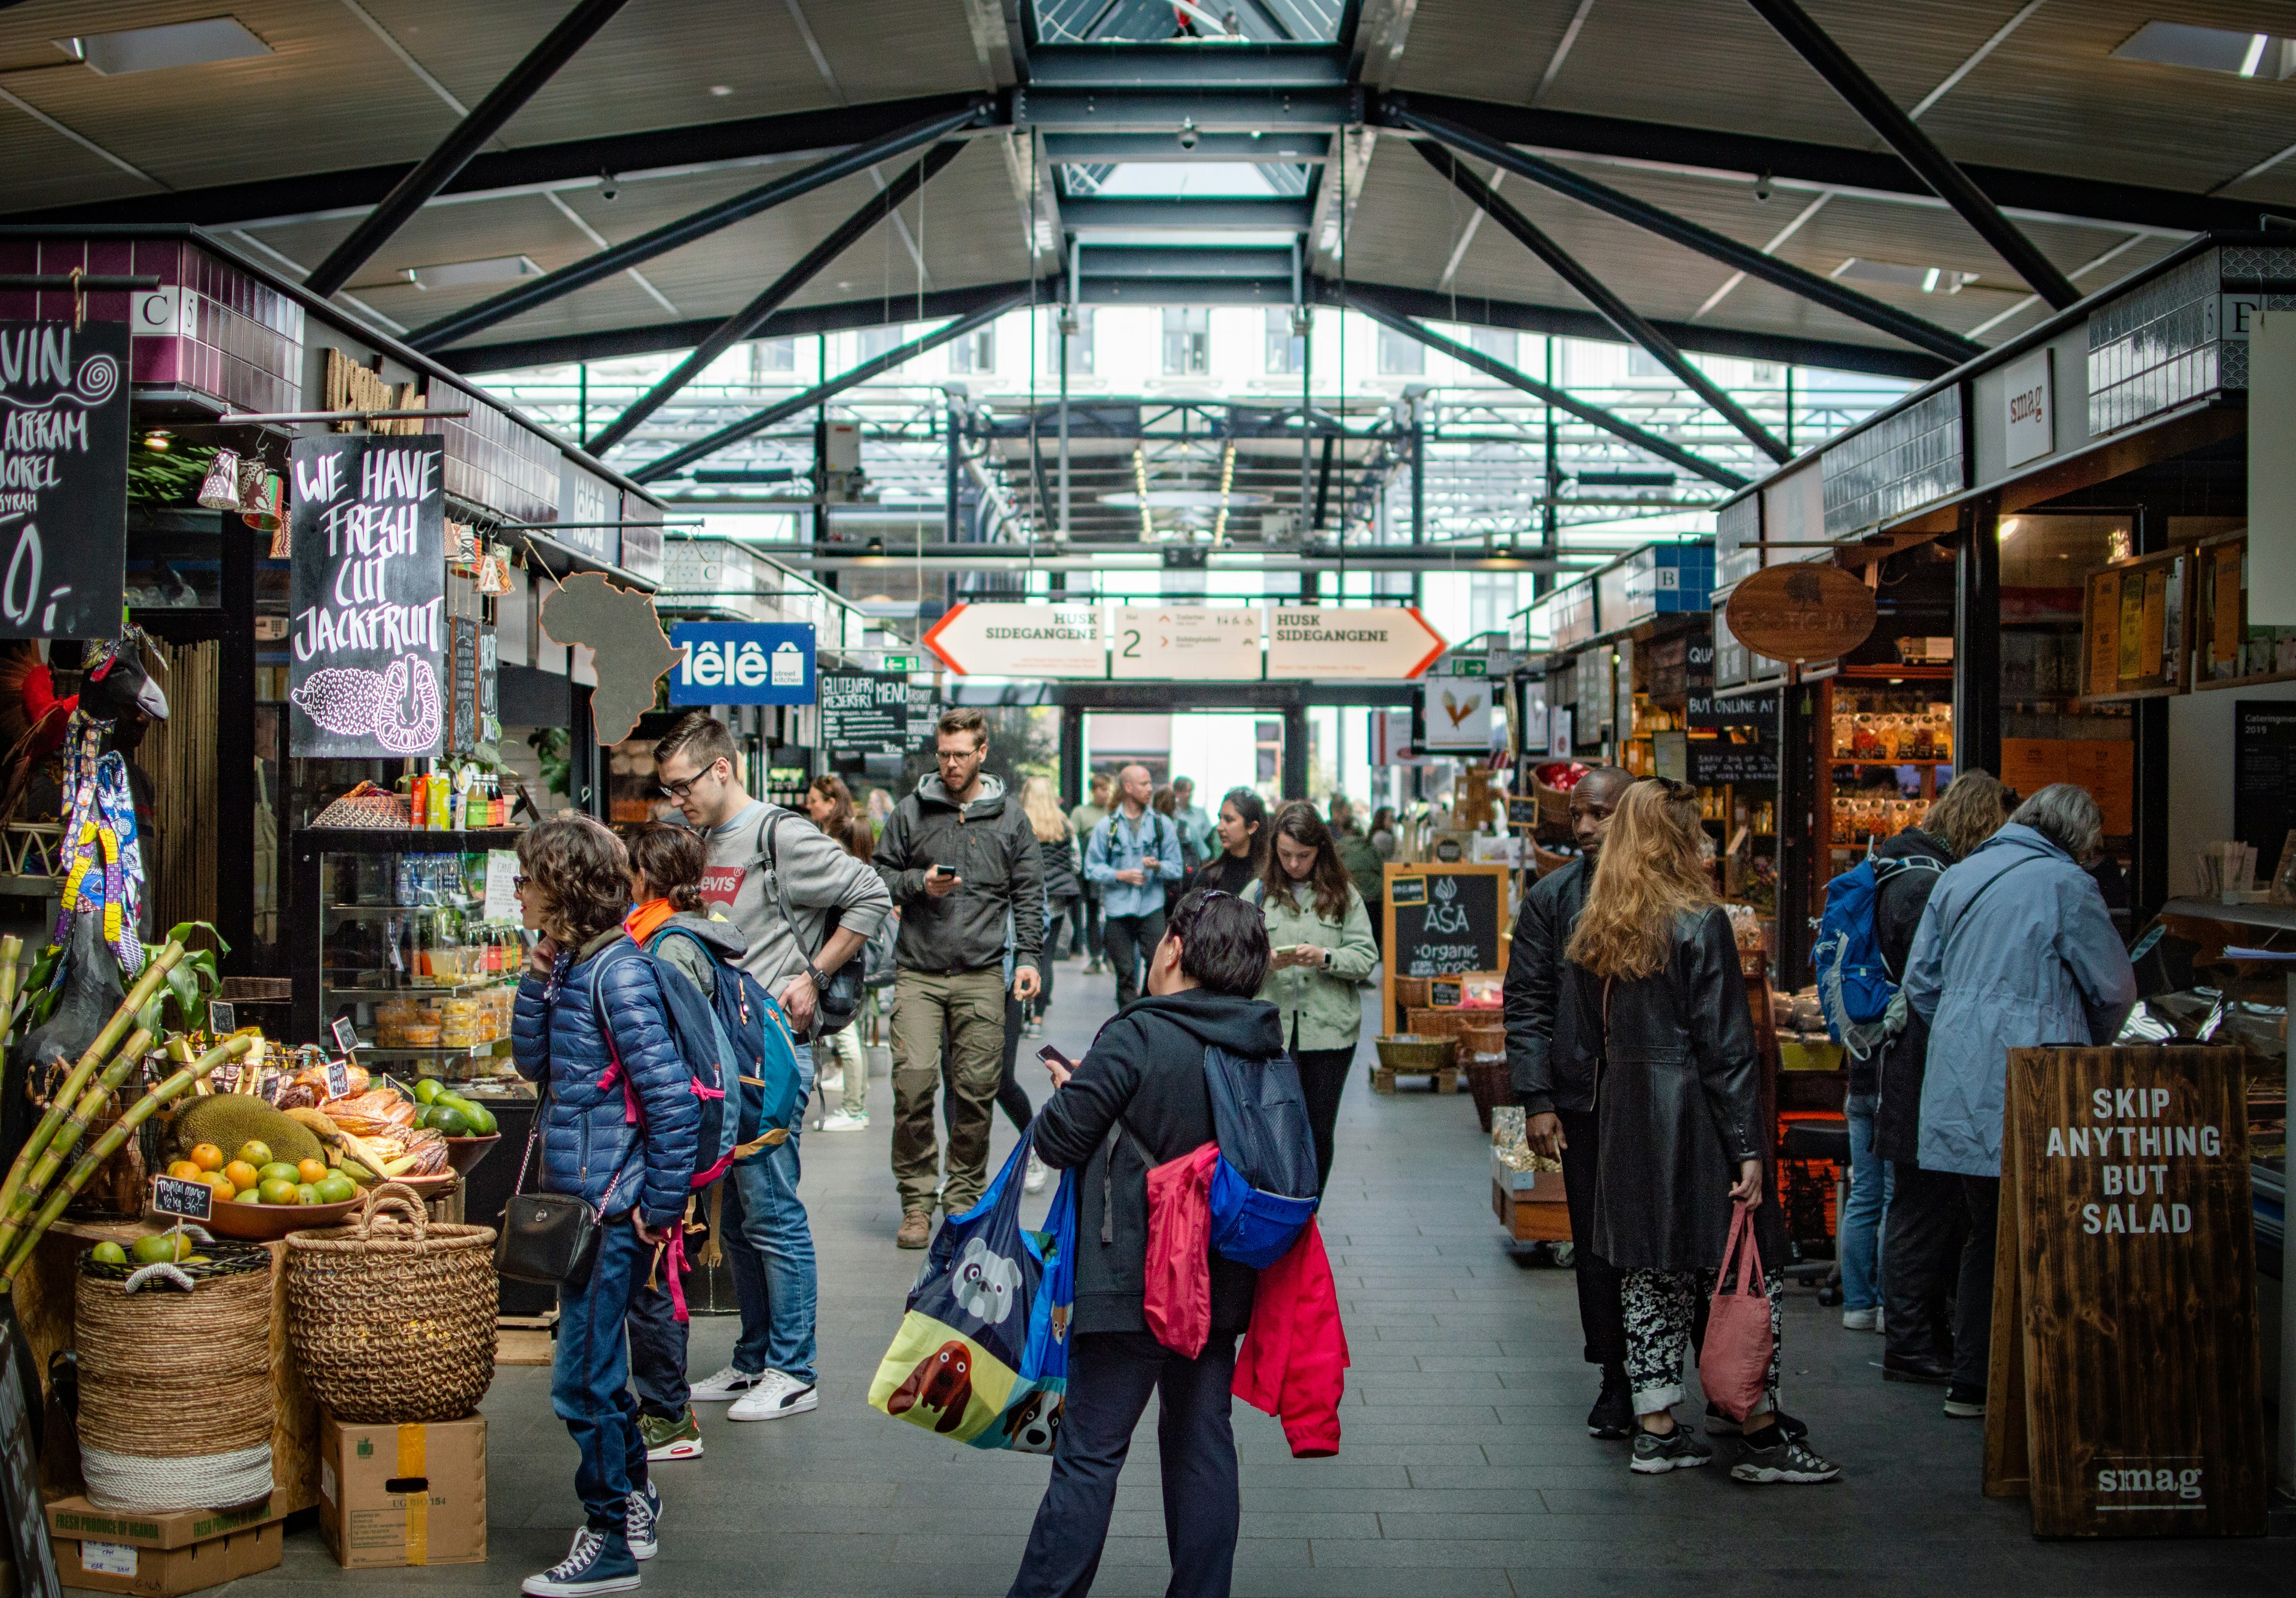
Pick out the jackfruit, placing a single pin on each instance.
(232, 1120)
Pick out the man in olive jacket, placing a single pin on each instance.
(1560, 1112)
(959, 858)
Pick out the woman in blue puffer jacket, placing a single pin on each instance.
(583, 978)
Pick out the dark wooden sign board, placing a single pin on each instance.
(28, 1546)
(1441, 921)
(2263, 777)
(64, 528)
(2124, 1396)
(1804, 611)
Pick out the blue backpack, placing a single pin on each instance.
(708, 1056)
(769, 1074)
(1854, 986)
(1264, 1187)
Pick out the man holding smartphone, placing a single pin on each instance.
(959, 858)
(1133, 852)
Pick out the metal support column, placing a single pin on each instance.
(1419, 471)
(1977, 638)
(1798, 829)
(586, 777)
(1295, 751)
(2148, 878)
(234, 906)
(1072, 788)
(955, 457)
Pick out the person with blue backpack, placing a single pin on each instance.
(1142, 1096)
(618, 1125)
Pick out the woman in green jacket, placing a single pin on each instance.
(1321, 936)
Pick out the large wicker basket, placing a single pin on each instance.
(175, 1406)
(1412, 1053)
(392, 1317)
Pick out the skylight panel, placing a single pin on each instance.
(2226, 50)
(176, 45)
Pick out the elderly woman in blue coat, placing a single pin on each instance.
(618, 1123)
(2015, 949)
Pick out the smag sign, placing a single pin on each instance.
(1800, 613)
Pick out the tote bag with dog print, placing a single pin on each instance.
(982, 1354)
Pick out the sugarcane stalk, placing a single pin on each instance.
(89, 1105)
(12, 949)
(97, 1052)
(109, 1144)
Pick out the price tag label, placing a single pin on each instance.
(339, 1077)
(223, 1020)
(347, 1037)
(180, 1197)
(396, 1086)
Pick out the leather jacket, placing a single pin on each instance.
(1678, 1097)
(1541, 1058)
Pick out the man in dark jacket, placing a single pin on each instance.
(1559, 1108)
(1138, 1099)
(958, 858)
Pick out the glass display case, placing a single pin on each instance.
(397, 939)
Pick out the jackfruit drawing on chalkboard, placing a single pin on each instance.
(620, 628)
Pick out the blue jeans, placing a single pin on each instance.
(770, 1248)
(1870, 1182)
(589, 1378)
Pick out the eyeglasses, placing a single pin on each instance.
(684, 788)
(946, 755)
(518, 884)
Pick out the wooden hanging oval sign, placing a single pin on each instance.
(1803, 613)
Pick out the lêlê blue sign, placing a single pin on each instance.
(743, 662)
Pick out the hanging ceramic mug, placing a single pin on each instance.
(267, 512)
(220, 491)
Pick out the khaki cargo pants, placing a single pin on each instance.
(969, 1005)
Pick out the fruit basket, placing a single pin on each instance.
(268, 1222)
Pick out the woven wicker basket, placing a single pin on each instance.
(1411, 993)
(392, 1317)
(1491, 1085)
(1482, 1036)
(175, 1403)
(1411, 1054)
(1437, 1023)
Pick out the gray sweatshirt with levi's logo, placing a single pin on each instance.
(816, 873)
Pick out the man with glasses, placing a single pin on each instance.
(763, 858)
(960, 859)
(1132, 855)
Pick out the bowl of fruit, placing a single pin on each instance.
(258, 1197)
(468, 1127)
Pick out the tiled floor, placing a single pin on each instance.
(1466, 1467)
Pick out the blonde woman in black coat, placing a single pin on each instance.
(1660, 1005)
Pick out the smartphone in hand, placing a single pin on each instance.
(1060, 1065)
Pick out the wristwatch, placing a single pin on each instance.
(820, 983)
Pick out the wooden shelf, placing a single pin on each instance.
(2245, 682)
(1843, 760)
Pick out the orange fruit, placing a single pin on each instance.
(207, 1157)
(241, 1174)
(226, 1190)
(186, 1169)
(312, 1170)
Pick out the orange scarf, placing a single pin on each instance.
(647, 919)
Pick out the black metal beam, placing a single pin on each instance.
(1744, 257)
(1916, 149)
(1324, 482)
(667, 150)
(432, 173)
(757, 421)
(1181, 66)
(1706, 150)
(671, 235)
(1219, 109)
(1630, 323)
(1182, 291)
(1202, 216)
(1268, 262)
(1093, 149)
(1641, 438)
(745, 322)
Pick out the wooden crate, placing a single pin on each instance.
(1429, 1022)
(1448, 1079)
(1529, 1220)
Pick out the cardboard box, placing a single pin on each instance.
(394, 1495)
(160, 1556)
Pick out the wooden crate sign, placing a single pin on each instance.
(2124, 1395)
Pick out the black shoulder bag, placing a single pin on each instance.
(550, 1238)
(838, 998)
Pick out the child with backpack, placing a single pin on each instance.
(592, 1026)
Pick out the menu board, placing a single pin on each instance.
(1445, 922)
(366, 625)
(864, 712)
(1714, 762)
(2135, 621)
(63, 478)
(462, 685)
(2263, 774)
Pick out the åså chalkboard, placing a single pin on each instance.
(1454, 927)
(367, 627)
(63, 478)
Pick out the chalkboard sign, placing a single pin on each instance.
(63, 494)
(1453, 927)
(864, 712)
(366, 631)
(1714, 762)
(1708, 713)
(19, 1475)
(462, 684)
(2264, 774)
(346, 1035)
(180, 1197)
(223, 1018)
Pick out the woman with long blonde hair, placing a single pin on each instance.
(1658, 1001)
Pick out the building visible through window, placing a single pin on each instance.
(876, 340)
(1187, 342)
(1497, 343)
(976, 352)
(772, 355)
(1400, 355)
(1287, 352)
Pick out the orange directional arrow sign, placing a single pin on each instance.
(1021, 640)
(1358, 643)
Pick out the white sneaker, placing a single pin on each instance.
(777, 1394)
(1039, 1173)
(727, 1383)
(841, 1122)
(1859, 1319)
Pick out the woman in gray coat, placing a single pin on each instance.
(2015, 948)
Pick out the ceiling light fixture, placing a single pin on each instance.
(468, 273)
(176, 45)
(1140, 485)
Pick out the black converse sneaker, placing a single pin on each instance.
(1613, 1418)
(599, 1561)
(1676, 1450)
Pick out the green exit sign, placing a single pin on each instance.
(900, 663)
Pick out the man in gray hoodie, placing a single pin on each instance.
(959, 858)
(780, 879)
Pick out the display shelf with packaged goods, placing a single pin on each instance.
(2227, 652)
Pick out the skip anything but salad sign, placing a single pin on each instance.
(366, 638)
(63, 478)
